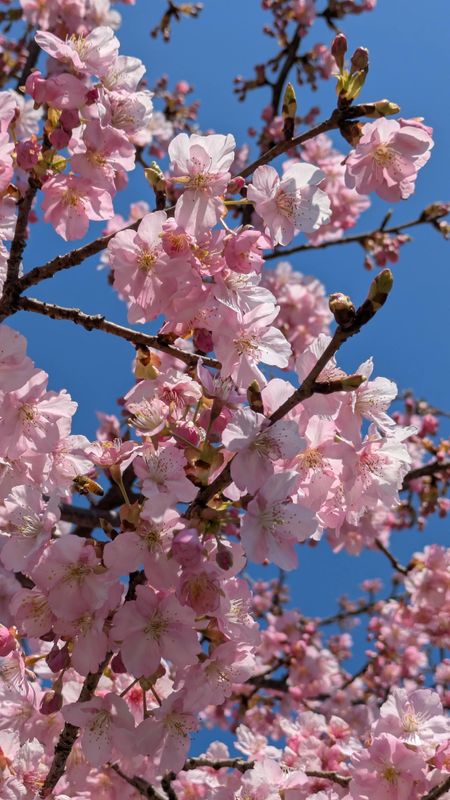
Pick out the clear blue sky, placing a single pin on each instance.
(409, 64)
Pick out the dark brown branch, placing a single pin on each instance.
(69, 733)
(396, 564)
(291, 57)
(377, 296)
(438, 791)
(438, 468)
(341, 616)
(30, 63)
(244, 766)
(337, 118)
(11, 289)
(87, 517)
(69, 260)
(98, 322)
(80, 254)
(357, 238)
(142, 786)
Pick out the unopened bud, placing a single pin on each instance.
(58, 659)
(51, 702)
(360, 60)
(380, 287)
(117, 664)
(155, 177)
(7, 641)
(342, 309)
(434, 211)
(289, 102)
(352, 382)
(383, 108)
(339, 49)
(235, 185)
(224, 557)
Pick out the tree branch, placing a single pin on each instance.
(396, 564)
(435, 468)
(11, 288)
(377, 296)
(67, 738)
(358, 238)
(142, 786)
(80, 254)
(98, 322)
(438, 791)
(87, 517)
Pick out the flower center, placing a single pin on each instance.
(287, 204)
(146, 259)
(247, 345)
(156, 626)
(390, 773)
(383, 154)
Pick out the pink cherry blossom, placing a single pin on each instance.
(167, 732)
(290, 204)
(249, 341)
(388, 770)
(387, 158)
(106, 725)
(70, 202)
(416, 718)
(257, 446)
(6, 164)
(29, 528)
(273, 524)
(141, 268)
(69, 571)
(91, 55)
(152, 627)
(201, 164)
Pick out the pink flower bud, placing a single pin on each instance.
(7, 641)
(224, 557)
(339, 49)
(51, 702)
(117, 664)
(182, 87)
(58, 659)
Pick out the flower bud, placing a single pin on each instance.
(155, 177)
(339, 49)
(7, 641)
(235, 185)
(352, 382)
(117, 664)
(51, 702)
(383, 108)
(224, 557)
(342, 309)
(58, 659)
(360, 60)
(380, 287)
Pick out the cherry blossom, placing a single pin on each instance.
(291, 204)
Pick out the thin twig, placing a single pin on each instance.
(355, 238)
(142, 786)
(396, 564)
(67, 738)
(435, 468)
(80, 254)
(98, 322)
(438, 791)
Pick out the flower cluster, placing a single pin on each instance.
(129, 621)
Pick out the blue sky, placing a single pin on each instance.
(409, 65)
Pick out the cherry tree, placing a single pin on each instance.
(134, 619)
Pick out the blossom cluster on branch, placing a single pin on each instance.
(128, 625)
